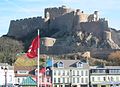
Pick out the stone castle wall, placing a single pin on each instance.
(62, 18)
(22, 27)
(64, 22)
(56, 12)
(96, 28)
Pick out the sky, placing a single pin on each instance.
(20, 9)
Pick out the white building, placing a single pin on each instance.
(22, 72)
(70, 73)
(6, 74)
(107, 76)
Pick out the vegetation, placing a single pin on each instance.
(8, 49)
(114, 57)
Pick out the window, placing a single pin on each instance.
(18, 80)
(77, 73)
(81, 73)
(104, 78)
(68, 73)
(86, 73)
(112, 79)
(67, 80)
(79, 64)
(60, 64)
(63, 73)
(10, 78)
(63, 80)
(58, 80)
(82, 80)
(73, 72)
(86, 80)
(78, 80)
(73, 80)
(54, 72)
(42, 79)
(47, 72)
(47, 79)
(54, 80)
(93, 79)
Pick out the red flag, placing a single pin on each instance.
(32, 52)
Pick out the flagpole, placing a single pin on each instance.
(45, 71)
(52, 72)
(38, 63)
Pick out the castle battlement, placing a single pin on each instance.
(25, 19)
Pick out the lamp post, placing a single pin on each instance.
(5, 70)
(70, 78)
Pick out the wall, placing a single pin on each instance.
(64, 22)
(97, 28)
(23, 27)
(56, 12)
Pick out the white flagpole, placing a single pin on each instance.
(52, 72)
(45, 71)
(38, 63)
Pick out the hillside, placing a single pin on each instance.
(74, 31)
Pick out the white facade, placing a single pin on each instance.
(20, 76)
(105, 77)
(9, 75)
(65, 75)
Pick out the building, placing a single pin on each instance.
(105, 76)
(6, 74)
(45, 77)
(70, 73)
(22, 73)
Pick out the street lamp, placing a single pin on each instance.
(70, 78)
(5, 70)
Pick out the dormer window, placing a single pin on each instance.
(79, 64)
(60, 64)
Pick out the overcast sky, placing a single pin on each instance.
(19, 9)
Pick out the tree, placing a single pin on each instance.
(9, 48)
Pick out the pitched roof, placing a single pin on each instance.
(28, 82)
(70, 63)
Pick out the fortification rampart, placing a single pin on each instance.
(22, 27)
(96, 28)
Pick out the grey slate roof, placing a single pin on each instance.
(70, 63)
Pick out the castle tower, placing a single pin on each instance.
(56, 12)
(96, 15)
(107, 35)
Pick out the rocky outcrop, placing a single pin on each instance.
(74, 30)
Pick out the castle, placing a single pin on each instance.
(79, 29)
(61, 18)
